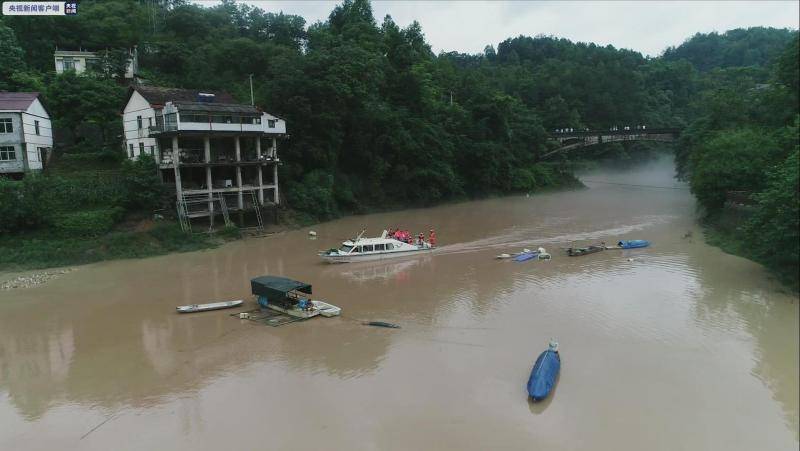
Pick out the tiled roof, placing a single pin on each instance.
(17, 101)
(216, 107)
(158, 95)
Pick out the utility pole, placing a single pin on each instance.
(252, 102)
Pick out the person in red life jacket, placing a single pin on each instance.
(421, 238)
(432, 238)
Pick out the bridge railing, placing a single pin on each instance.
(584, 133)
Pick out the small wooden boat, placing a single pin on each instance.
(576, 252)
(325, 309)
(206, 307)
(544, 373)
(632, 244)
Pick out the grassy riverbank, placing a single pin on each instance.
(42, 250)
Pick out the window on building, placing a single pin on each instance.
(141, 148)
(42, 153)
(171, 120)
(6, 126)
(139, 121)
(153, 150)
(187, 117)
(271, 123)
(251, 120)
(68, 64)
(36, 126)
(8, 153)
(130, 147)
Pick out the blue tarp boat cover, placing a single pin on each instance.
(543, 374)
(632, 244)
(526, 256)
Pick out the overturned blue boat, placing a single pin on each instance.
(633, 244)
(544, 373)
(525, 256)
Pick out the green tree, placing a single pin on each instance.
(76, 101)
(773, 229)
(733, 160)
(11, 56)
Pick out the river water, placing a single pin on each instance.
(677, 346)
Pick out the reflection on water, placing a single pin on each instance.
(677, 346)
(395, 270)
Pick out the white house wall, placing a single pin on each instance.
(24, 140)
(33, 142)
(280, 124)
(14, 140)
(279, 128)
(138, 106)
(78, 61)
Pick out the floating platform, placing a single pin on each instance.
(270, 317)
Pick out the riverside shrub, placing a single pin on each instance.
(87, 223)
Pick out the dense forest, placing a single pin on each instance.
(377, 120)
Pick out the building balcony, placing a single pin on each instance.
(229, 128)
(164, 128)
(195, 158)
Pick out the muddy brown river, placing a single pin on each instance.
(675, 347)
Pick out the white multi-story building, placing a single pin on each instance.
(206, 144)
(26, 134)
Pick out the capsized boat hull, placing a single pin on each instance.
(350, 258)
(526, 256)
(543, 375)
(633, 244)
(208, 307)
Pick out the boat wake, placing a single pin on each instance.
(535, 236)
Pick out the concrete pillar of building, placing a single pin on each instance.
(209, 180)
(258, 147)
(238, 148)
(239, 197)
(176, 165)
(260, 184)
(239, 185)
(277, 198)
(274, 149)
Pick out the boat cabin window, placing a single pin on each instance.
(367, 247)
(379, 247)
(357, 249)
(345, 248)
